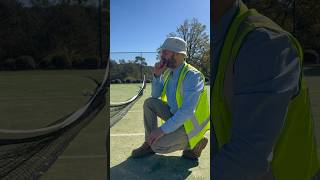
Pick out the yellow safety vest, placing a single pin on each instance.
(294, 155)
(197, 126)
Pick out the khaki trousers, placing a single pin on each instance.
(177, 140)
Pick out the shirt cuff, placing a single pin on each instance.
(168, 126)
(165, 129)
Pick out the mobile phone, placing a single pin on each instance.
(163, 62)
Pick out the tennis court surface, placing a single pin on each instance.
(34, 99)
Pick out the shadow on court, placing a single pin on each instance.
(153, 167)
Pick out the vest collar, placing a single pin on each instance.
(175, 72)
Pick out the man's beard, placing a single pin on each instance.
(171, 62)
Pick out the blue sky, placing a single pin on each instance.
(142, 25)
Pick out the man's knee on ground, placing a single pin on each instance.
(148, 102)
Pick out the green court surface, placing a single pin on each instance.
(33, 99)
(128, 134)
(312, 76)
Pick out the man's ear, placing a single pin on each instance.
(179, 56)
(176, 56)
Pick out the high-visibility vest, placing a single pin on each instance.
(294, 154)
(197, 126)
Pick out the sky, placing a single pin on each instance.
(142, 25)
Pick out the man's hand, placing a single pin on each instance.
(160, 67)
(155, 135)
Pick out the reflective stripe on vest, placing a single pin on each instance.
(294, 155)
(199, 123)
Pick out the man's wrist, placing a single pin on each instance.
(163, 129)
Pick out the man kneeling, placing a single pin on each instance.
(183, 106)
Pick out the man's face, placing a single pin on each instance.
(169, 58)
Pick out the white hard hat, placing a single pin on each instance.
(175, 44)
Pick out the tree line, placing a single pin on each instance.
(44, 34)
(130, 71)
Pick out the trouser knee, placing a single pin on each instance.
(148, 103)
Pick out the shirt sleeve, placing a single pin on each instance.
(192, 86)
(266, 78)
(157, 86)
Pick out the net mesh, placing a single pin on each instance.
(27, 154)
(119, 110)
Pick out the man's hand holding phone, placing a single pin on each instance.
(160, 67)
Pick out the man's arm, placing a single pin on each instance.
(266, 78)
(158, 81)
(157, 86)
(192, 86)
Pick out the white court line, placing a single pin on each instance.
(136, 111)
(84, 157)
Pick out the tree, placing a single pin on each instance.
(193, 32)
(205, 63)
(142, 61)
(41, 3)
(128, 70)
(42, 28)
